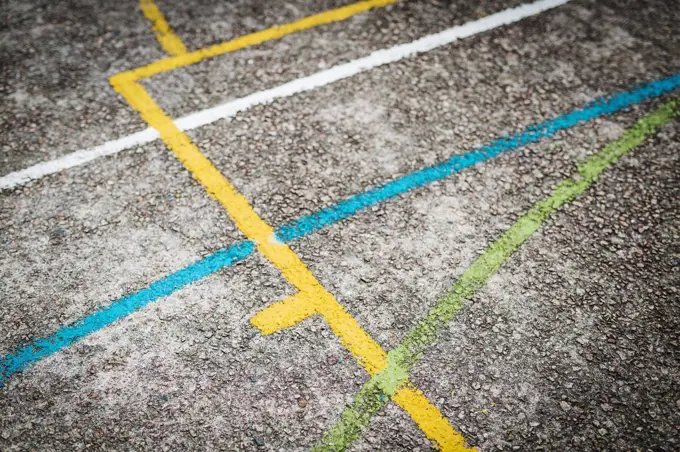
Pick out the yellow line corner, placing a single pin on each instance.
(312, 297)
(182, 59)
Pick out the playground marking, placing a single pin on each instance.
(372, 395)
(317, 80)
(312, 298)
(165, 35)
(253, 39)
(65, 336)
(389, 372)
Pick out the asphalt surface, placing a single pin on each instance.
(573, 345)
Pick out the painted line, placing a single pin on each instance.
(77, 158)
(317, 80)
(253, 39)
(375, 59)
(371, 396)
(121, 308)
(165, 35)
(372, 196)
(41, 348)
(312, 298)
(429, 419)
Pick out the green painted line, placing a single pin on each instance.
(375, 393)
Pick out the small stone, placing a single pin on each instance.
(302, 403)
(565, 406)
(534, 424)
(332, 360)
(677, 404)
(259, 441)
(476, 386)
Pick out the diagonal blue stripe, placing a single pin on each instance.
(348, 207)
(121, 308)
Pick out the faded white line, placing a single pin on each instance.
(326, 77)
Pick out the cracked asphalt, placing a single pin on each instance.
(573, 345)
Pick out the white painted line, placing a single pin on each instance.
(76, 158)
(326, 77)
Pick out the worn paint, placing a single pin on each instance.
(371, 396)
(42, 347)
(312, 297)
(314, 81)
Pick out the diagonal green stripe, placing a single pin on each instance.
(375, 393)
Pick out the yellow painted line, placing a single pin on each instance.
(430, 420)
(312, 297)
(165, 35)
(252, 39)
(316, 298)
(284, 314)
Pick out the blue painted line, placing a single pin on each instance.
(348, 207)
(121, 308)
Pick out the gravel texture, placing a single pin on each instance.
(573, 345)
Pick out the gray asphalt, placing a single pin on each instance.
(573, 345)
